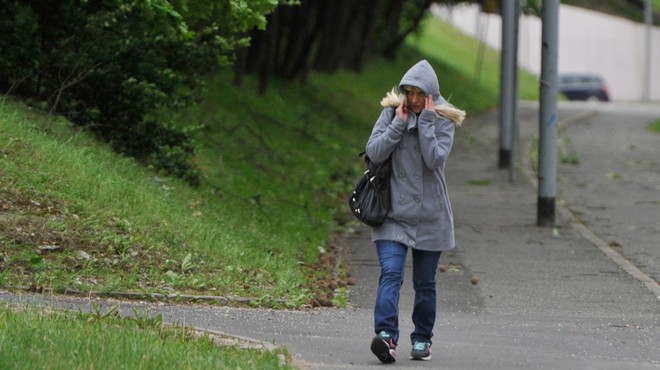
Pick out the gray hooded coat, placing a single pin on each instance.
(420, 215)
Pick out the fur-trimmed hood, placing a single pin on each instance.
(422, 76)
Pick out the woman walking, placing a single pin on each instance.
(416, 127)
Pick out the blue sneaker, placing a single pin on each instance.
(421, 351)
(383, 347)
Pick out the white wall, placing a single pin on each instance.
(588, 42)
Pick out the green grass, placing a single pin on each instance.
(480, 182)
(34, 338)
(655, 126)
(113, 225)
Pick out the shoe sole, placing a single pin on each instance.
(381, 349)
(427, 358)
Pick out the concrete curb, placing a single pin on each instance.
(219, 300)
(231, 339)
(577, 224)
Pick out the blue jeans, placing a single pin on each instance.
(392, 258)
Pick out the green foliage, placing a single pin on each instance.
(111, 66)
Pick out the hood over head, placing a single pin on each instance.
(423, 76)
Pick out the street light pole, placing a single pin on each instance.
(510, 12)
(647, 59)
(548, 114)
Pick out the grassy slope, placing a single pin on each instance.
(276, 170)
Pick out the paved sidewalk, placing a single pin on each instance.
(547, 298)
(615, 188)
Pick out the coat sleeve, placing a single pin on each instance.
(436, 136)
(385, 135)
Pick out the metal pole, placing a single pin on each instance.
(507, 58)
(548, 114)
(647, 59)
(514, 88)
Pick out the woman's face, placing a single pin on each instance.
(415, 98)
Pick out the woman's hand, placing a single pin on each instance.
(429, 104)
(402, 110)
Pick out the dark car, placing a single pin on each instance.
(583, 86)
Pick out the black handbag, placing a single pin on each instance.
(370, 199)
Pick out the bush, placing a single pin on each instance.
(111, 66)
